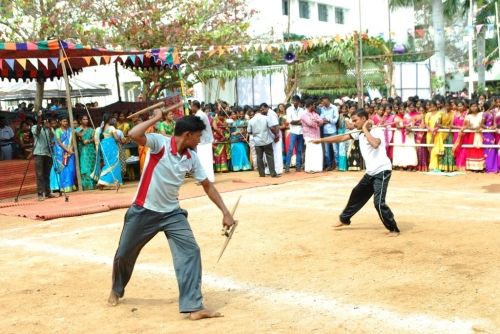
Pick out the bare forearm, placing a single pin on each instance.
(214, 196)
(374, 142)
(140, 129)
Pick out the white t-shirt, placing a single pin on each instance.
(376, 159)
(293, 114)
(164, 173)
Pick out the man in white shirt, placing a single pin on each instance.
(293, 115)
(156, 209)
(277, 143)
(378, 172)
(204, 148)
(6, 140)
(330, 116)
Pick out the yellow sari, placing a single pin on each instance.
(436, 139)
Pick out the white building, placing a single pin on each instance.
(315, 18)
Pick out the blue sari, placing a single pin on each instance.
(64, 162)
(239, 149)
(343, 146)
(108, 151)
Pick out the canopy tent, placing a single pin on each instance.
(42, 60)
(56, 58)
(52, 89)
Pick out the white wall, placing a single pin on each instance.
(271, 23)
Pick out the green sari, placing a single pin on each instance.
(87, 156)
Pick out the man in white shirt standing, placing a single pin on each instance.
(293, 115)
(204, 148)
(6, 140)
(378, 172)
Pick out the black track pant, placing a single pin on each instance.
(375, 185)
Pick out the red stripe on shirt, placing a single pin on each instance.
(147, 176)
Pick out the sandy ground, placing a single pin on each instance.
(285, 271)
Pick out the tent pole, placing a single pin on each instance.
(118, 83)
(39, 94)
(70, 114)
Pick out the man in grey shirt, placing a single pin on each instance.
(262, 128)
(42, 153)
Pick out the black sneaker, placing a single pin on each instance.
(41, 198)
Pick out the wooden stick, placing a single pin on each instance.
(154, 106)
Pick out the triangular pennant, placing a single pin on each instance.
(132, 58)
(106, 59)
(122, 58)
(22, 62)
(198, 52)
(34, 62)
(490, 31)
(221, 50)
(1, 65)
(97, 59)
(55, 61)
(10, 62)
(269, 48)
(479, 27)
(87, 60)
(45, 62)
(141, 58)
(113, 59)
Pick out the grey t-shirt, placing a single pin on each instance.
(42, 144)
(259, 126)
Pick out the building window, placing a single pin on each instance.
(322, 13)
(304, 9)
(339, 15)
(284, 6)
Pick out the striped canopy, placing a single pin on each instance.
(42, 60)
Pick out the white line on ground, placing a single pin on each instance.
(372, 316)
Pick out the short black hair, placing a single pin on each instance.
(189, 123)
(264, 105)
(361, 113)
(196, 103)
(325, 97)
(309, 102)
(296, 98)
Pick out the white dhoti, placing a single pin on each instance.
(205, 154)
(314, 157)
(278, 157)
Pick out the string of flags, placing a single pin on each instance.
(420, 32)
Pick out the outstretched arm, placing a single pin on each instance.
(213, 194)
(333, 139)
(138, 132)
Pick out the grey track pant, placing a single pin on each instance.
(140, 226)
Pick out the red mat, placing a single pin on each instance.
(88, 202)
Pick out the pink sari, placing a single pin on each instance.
(458, 138)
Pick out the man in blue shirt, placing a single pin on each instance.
(330, 116)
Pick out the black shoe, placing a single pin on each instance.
(277, 175)
(287, 170)
(41, 198)
(50, 196)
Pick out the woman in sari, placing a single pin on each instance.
(432, 122)
(458, 123)
(239, 147)
(404, 156)
(420, 138)
(65, 156)
(490, 153)
(474, 160)
(86, 151)
(387, 120)
(167, 127)
(343, 146)
(106, 139)
(447, 160)
(284, 127)
(497, 123)
(221, 145)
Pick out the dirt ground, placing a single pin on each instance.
(285, 271)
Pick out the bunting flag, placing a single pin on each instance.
(55, 61)
(113, 59)
(10, 62)
(106, 59)
(87, 60)
(22, 62)
(34, 62)
(420, 33)
(45, 62)
(1, 65)
(479, 27)
(132, 58)
(141, 58)
(97, 60)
